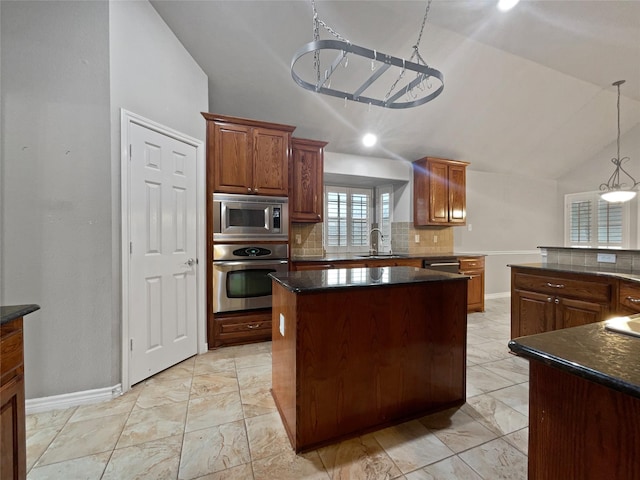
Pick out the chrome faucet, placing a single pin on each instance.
(374, 241)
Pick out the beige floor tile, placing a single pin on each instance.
(38, 441)
(120, 405)
(289, 466)
(495, 415)
(488, 352)
(519, 439)
(163, 392)
(48, 419)
(515, 369)
(213, 449)
(411, 445)
(516, 396)
(84, 438)
(256, 360)
(360, 458)
(252, 349)
(267, 436)
(205, 412)
(241, 472)
(452, 468)
(480, 380)
(257, 401)
(497, 460)
(158, 459)
(181, 370)
(457, 430)
(84, 468)
(214, 384)
(148, 424)
(254, 377)
(211, 364)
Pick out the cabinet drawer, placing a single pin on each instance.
(563, 286)
(235, 326)
(471, 263)
(630, 296)
(11, 351)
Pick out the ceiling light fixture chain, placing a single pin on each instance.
(412, 89)
(615, 190)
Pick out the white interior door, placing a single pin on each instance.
(163, 318)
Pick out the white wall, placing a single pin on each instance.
(508, 217)
(68, 67)
(56, 191)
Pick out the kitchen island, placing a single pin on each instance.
(357, 349)
(584, 403)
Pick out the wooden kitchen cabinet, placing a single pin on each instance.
(439, 192)
(242, 327)
(247, 156)
(629, 298)
(13, 446)
(548, 300)
(473, 267)
(306, 185)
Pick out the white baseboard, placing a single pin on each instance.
(68, 400)
(491, 296)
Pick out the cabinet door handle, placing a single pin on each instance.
(557, 300)
(249, 189)
(255, 190)
(555, 285)
(256, 325)
(549, 299)
(633, 300)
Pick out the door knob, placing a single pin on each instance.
(190, 263)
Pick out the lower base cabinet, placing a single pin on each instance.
(473, 267)
(242, 327)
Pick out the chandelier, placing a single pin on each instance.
(402, 93)
(615, 190)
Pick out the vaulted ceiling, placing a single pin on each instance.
(526, 92)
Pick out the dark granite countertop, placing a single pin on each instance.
(340, 278)
(624, 273)
(590, 352)
(11, 312)
(336, 257)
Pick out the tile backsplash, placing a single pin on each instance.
(405, 238)
(588, 257)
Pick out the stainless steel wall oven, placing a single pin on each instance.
(240, 275)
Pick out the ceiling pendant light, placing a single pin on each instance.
(505, 5)
(412, 92)
(369, 140)
(615, 190)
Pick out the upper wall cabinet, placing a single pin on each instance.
(439, 192)
(305, 193)
(247, 156)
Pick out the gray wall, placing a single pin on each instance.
(508, 216)
(67, 68)
(56, 190)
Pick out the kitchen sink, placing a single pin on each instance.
(381, 255)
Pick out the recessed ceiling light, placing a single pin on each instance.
(369, 140)
(504, 5)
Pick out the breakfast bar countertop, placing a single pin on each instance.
(11, 312)
(340, 278)
(589, 351)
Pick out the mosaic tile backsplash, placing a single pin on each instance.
(588, 257)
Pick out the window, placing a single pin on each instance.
(348, 218)
(593, 222)
(384, 212)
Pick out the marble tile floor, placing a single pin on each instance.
(212, 417)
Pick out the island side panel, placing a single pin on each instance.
(283, 352)
(580, 429)
(370, 357)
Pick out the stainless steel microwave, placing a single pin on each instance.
(249, 217)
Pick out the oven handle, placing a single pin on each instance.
(249, 263)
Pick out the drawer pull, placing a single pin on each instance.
(633, 300)
(255, 325)
(555, 285)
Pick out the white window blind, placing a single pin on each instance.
(593, 222)
(384, 212)
(348, 216)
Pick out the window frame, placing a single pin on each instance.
(594, 197)
(349, 248)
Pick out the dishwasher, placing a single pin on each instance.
(442, 264)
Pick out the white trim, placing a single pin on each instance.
(493, 296)
(68, 400)
(498, 252)
(127, 118)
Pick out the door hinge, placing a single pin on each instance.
(130, 248)
(130, 150)
(131, 344)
